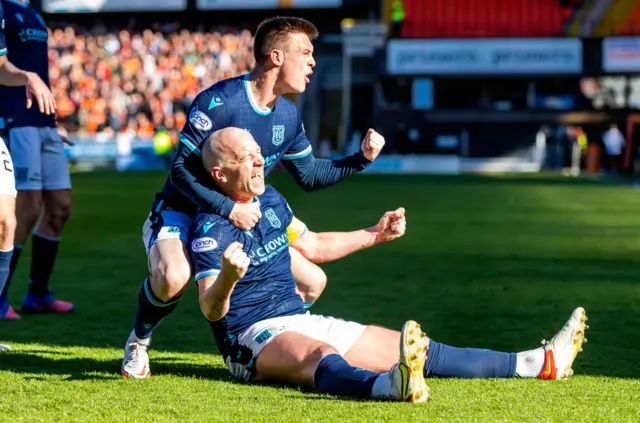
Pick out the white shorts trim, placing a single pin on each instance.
(39, 158)
(7, 173)
(173, 225)
(338, 333)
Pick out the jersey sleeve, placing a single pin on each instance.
(295, 230)
(208, 242)
(207, 113)
(3, 40)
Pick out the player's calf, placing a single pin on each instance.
(57, 210)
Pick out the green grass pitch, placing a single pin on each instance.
(489, 262)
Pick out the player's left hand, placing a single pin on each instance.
(372, 144)
(391, 226)
(37, 89)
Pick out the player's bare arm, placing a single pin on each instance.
(328, 246)
(11, 76)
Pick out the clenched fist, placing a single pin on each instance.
(235, 262)
(372, 145)
(245, 215)
(392, 225)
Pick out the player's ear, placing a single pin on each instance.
(218, 175)
(277, 57)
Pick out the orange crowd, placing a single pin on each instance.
(108, 82)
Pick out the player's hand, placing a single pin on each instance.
(235, 262)
(64, 135)
(36, 88)
(245, 215)
(391, 226)
(372, 144)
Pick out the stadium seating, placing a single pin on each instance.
(484, 18)
(630, 25)
(110, 81)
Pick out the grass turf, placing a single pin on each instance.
(490, 262)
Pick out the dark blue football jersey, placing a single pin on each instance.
(3, 42)
(268, 289)
(27, 48)
(279, 131)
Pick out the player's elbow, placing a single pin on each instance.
(309, 248)
(213, 310)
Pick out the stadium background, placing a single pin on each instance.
(465, 85)
(488, 261)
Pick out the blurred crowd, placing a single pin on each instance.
(125, 81)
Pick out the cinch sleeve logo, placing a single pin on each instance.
(203, 244)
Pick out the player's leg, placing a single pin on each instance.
(170, 272)
(552, 361)
(293, 357)
(310, 278)
(7, 221)
(45, 239)
(24, 145)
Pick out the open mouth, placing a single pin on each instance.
(306, 77)
(258, 177)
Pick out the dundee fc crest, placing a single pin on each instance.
(272, 217)
(278, 134)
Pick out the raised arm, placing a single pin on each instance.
(312, 174)
(215, 288)
(328, 246)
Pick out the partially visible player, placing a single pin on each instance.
(41, 170)
(255, 102)
(246, 290)
(14, 77)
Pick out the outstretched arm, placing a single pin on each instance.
(328, 246)
(312, 174)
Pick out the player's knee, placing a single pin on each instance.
(313, 285)
(59, 213)
(318, 352)
(171, 279)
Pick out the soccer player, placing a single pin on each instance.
(41, 170)
(35, 87)
(254, 102)
(246, 291)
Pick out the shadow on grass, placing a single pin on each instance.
(82, 368)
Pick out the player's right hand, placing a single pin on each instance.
(245, 215)
(38, 89)
(235, 262)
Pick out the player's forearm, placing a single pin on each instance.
(10, 75)
(215, 300)
(313, 174)
(191, 185)
(329, 246)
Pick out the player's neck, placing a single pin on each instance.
(262, 84)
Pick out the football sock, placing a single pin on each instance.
(468, 363)
(307, 306)
(43, 257)
(530, 363)
(5, 264)
(151, 310)
(335, 376)
(17, 251)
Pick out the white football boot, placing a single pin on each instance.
(407, 376)
(563, 348)
(136, 359)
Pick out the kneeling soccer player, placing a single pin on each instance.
(247, 292)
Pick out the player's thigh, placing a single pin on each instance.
(377, 349)
(55, 167)
(25, 147)
(291, 357)
(309, 277)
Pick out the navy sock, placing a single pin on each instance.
(43, 257)
(5, 264)
(336, 377)
(468, 363)
(17, 251)
(151, 310)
